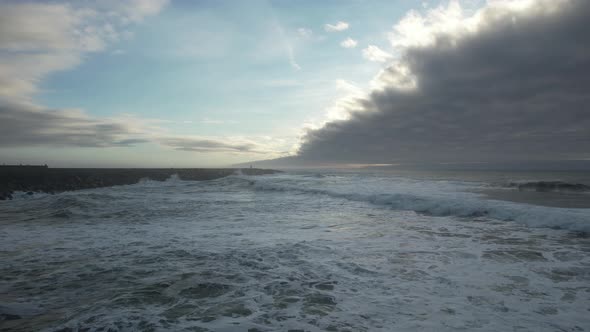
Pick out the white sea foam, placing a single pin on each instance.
(314, 253)
(438, 198)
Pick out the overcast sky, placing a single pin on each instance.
(211, 83)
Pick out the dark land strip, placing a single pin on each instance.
(32, 179)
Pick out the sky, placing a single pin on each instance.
(157, 83)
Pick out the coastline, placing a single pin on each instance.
(55, 180)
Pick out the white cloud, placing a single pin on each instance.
(294, 64)
(37, 39)
(416, 29)
(19, 75)
(209, 121)
(349, 43)
(34, 27)
(343, 106)
(339, 26)
(137, 10)
(456, 21)
(348, 86)
(304, 32)
(286, 43)
(374, 53)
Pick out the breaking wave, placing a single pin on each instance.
(295, 252)
(442, 199)
(554, 186)
(434, 198)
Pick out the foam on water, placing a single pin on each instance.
(438, 198)
(328, 252)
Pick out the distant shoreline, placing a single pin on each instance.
(53, 180)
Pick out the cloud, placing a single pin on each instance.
(286, 43)
(339, 26)
(37, 39)
(506, 83)
(137, 10)
(200, 144)
(34, 27)
(348, 86)
(19, 75)
(349, 43)
(304, 32)
(374, 53)
(210, 121)
(24, 124)
(126, 12)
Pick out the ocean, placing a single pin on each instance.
(324, 250)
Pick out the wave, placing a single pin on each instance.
(553, 186)
(445, 203)
(174, 178)
(436, 198)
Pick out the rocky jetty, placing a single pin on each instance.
(32, 179)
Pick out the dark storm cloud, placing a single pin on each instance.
(30, 125)
(517, 89)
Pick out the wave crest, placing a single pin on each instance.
(458, 204)
(545, 186)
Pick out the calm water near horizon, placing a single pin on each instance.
(360, 250)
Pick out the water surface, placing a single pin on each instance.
(330, 251)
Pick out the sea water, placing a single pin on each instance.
(301, 251)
